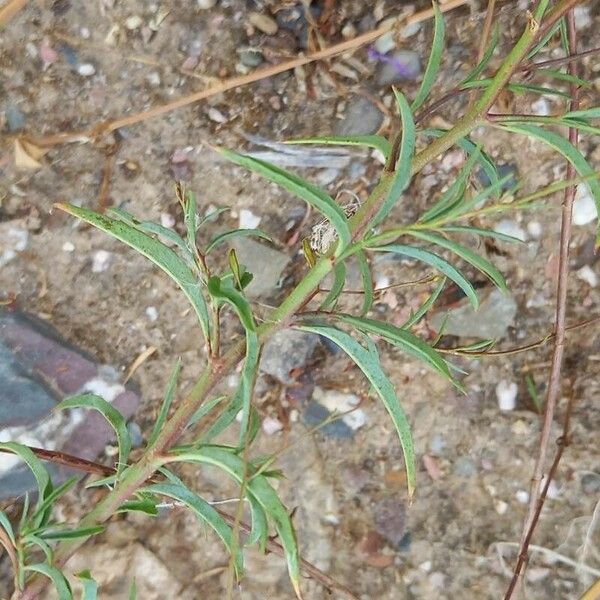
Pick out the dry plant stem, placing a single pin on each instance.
(593, 592)
(136, 474)
(537, 496)
(229, 84)
(10, 9)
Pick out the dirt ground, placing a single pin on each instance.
(475, 461)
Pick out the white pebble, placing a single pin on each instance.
(86, 69)
(12, 241)
(294, 415)
(535, 229)
(205, 4)
(153, 78)
(84, 32)
(167, 220)
(152, 313)
(356, 419)
(508, 227)
(584, 207)
(271, 425)
(410, 30)
(248, 220)
(582, 17)
(385, 43)
(263, 22)
(506, 393)
(522, 496)
(501, 507)
(381, 281)
(68, 247)
(214, 114)
(349, 31)
(587, 274)
(426, 566)
(100, 261)
(541, 107)
(133, 22)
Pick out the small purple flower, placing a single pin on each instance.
(400, 66)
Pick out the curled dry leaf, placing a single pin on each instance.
(28, 155)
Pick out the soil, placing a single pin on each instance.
(457, 538)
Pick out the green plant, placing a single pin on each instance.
(188, 433)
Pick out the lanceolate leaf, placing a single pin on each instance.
(243, 394)
(337, 285)
(227, 235)
(259, 487)
(367, 281)
(564, 147)
(204, 511)
(367, 360)
(70, 534)
(422, 310)
(5, 524)
(260, 529)
(480, 263)
(402, 339)
(90, 587)
(435, 261)
(489, 51)
(503, 237)
(588, 113)
(377, 142)
(402, 168)
(435, 57)
(166, 403)
(111, 414)
(161, 255)
(60, 582)
(42, 511)
(316, 197)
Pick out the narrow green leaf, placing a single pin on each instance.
(308, 192)
(377, 142)
(143, 505)
(90, 587)
(212, 215)
(35, 466)
(166, 404)
(224, 292)
(190, 217)
(243, 394)
(435, 58)
(108, 481)
(402, 168)
(42, 512)
(435, 261)
(337, 285)
(260, 529)
(58, 579)
(31, 539)
(422, 310)
(223, 237)
(132, 595)
(161, 255)
(367, 281)
(204, 409)
(481, 264)
(485, 59)
(503, 237)
(111, 414)
(588, 113)
(71, 534)
(564, 147)
(544, 40)
(367, 360)
(517, 88)
(402, 339)
(205, 513)
(6, 525)
(560, 76)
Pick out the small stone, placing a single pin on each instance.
(410, 30)
(263, 23)
(251, 57)
(534, 229)
(286, 351)
(500, 506)
(495, 314)
(506, 394)
(541, 107)
(167, 220)
(86, 69)
(47, 53)
(152, 313)
(464, 467)
(536, 574)
(385, 43)
(206, 4)
(349, 31)
(390, 519)
(271, 425)
(100, 261)
(248, 220)
(15, 120)
(587, 274)
(438, 580)
(12, 241)
(133, 22)
(508, 227)
(425, 566)
(214, 114)
(584, 207)
(402, 65)
(437, 445)
(590, 483)
(362, 117)
(583, 18)
(85, 33)
(339, 402)
(135, 434)
(520, 428)
(522, 496)
(314, 414)
(153, 78)
(432, 467)
(68, 247)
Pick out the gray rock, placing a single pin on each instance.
(464, 467)
(287, 350)
(503, 171)
(402, 65)
(250, 57)
(389, 516)
(135, 433)
(590, 483)
(362, 118)
(265, 263)
(495, 314)
(15, 121)
(315, 413)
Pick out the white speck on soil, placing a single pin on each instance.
(506, 393)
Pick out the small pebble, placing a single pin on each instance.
(508, 227)
(214, 114)
(86, 69)
(438, 580)
(349, 31)
(47, 53)
(251, 57)
(85, 33)
(167, 220)
(133, 22)
(248, 220)
(425, 566)
(152, 313)
(271, 425)
(68, 247)
(206, 4)
(522, 496)
(582, 15)
(590, 483)
(153, 78)
(506, 393)
(587, 274)
(263, 23)
(584, 207)
(135, 434)
(385, 43)
(464, 467)
(410, 30)
(100, 261)
(534, 229)
(541, 107)
(14, 118)
(501, 507)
